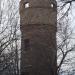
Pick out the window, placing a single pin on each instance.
(25, 73)
(26, 5)
(27, 44)
(52, 5)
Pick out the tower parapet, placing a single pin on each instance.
(38, 12)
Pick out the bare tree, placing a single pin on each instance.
(9, 38)
(0, 11)
(66, 46)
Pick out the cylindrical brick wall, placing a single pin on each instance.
(38, 26)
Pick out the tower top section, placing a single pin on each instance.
(40, 3)
(38, 12)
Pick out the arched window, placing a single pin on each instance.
(52, 5)
(26, 5)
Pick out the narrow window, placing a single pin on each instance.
(26, 5)
(27, 44)
(25, 73)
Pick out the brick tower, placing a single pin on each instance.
(38, 23)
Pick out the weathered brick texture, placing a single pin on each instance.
(38, 24)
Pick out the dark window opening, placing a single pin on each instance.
(27, 44)
(25, 73)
